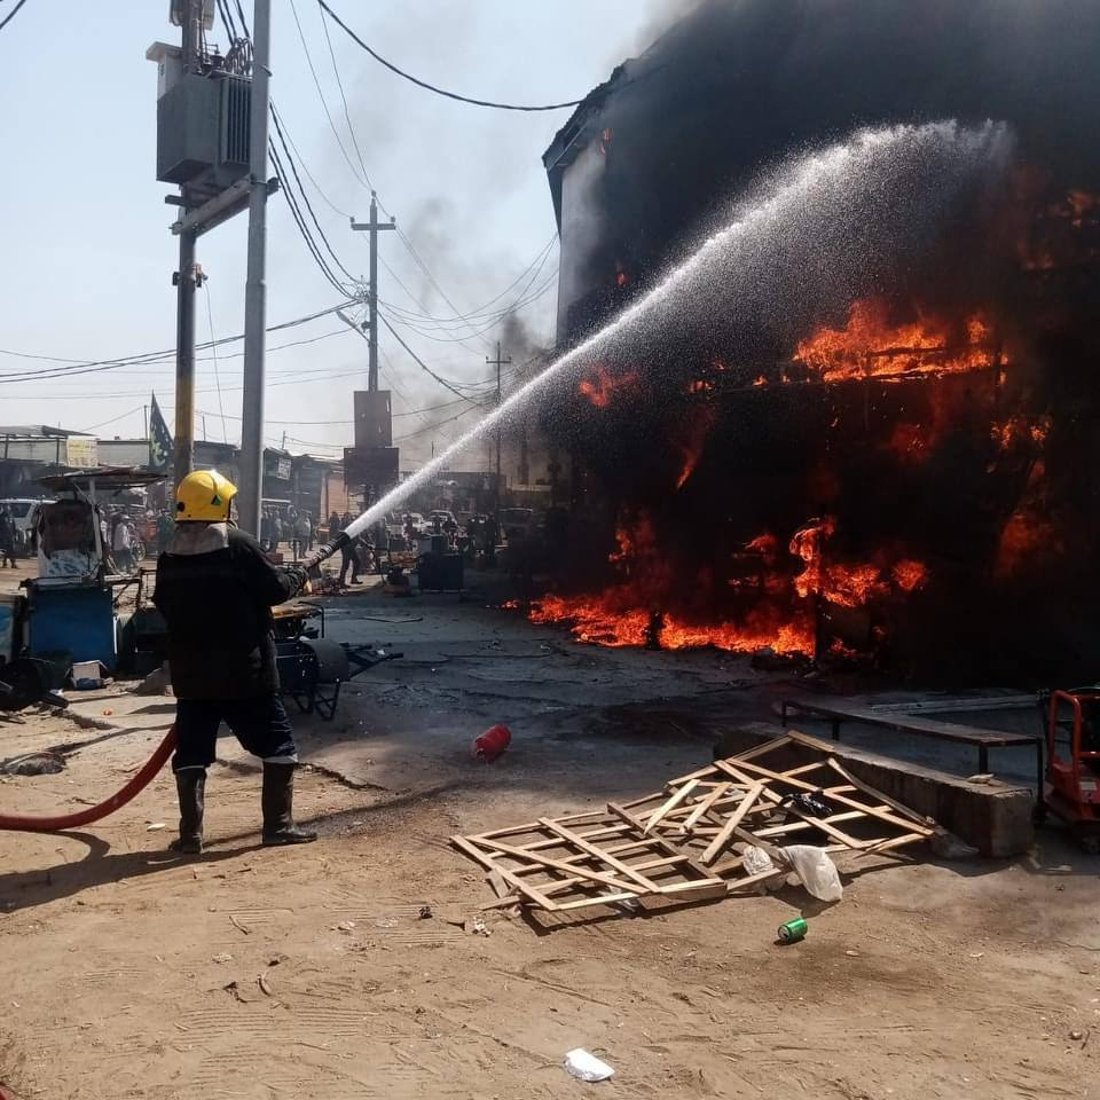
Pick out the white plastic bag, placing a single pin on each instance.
(816, 870)
(756, 861)
(587, 1066)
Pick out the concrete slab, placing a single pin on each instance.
(995, 817)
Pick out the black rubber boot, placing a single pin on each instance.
(278, 807)
(191, 789)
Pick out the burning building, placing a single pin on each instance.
(902, 475)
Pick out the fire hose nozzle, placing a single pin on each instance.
(323, 553)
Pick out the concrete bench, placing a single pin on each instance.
(982, 739)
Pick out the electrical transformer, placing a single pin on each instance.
(203, 130)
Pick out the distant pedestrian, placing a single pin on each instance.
(166, 527)
(7, 538)
(349, 559)
(334, 527)
(122, 545)
(305, 532)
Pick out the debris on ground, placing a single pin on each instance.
(691, 841)
(946, 845)
(587, 1067)
(34, 763)
(815, 870)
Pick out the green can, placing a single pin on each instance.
(793, 930)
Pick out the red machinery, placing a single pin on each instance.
(1072, 786)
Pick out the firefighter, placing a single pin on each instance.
(215, 589)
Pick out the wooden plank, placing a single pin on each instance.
(722, 839)
(893, 842)
(531, 827)
(835, 793)
(524, 888)
(554, 842)
(660, 842)
(598, 899)
(751, 880)
(678, 796)
(696, 890)
(557, 864)
(774, 796)
(599, 853)
(798, 826)
(550, 888)
(901, 808)
(704, 804)
(749, 754)
(901, 723)
(582, 857)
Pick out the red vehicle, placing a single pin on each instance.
(1072, 787)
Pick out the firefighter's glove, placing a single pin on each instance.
(299, 577)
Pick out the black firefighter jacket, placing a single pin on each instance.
(215, 589)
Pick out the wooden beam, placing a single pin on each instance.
(678, 796)
(557, 864)
(704, 804)
(599, 854)
(723, 838)
(517, 883)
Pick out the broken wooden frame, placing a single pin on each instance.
(679, 843)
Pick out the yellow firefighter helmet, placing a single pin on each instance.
(204, 497)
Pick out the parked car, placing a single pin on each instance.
(517, 524)
(444, 518)
(25, 513)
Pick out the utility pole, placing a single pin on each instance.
(255, 293)
(185, 286)
(374, 227)
(498, 363)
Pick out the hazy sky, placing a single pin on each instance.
(86, 253)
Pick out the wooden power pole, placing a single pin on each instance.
(374, 227)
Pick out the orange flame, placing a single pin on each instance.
(871, 346)
(848, 584)
(1021, 430)
(910, 575)
(633, 612)
(691, 438)
(608, 619)
(601, 386)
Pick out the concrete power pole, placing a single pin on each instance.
(374, 226)
(185, 287)
(498, 363)
(255, 295)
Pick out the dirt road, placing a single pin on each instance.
(309, 972)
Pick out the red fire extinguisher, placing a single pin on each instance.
(491, 743)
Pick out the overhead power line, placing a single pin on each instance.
(344, 101)
(305, 198)
(11, 14)
(93, 366)
(420, 362)
(365, 180)
(432, 87)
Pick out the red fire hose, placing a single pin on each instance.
(93, 813)
(153, 765)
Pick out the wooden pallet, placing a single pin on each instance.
(679, 843)
(576, 862)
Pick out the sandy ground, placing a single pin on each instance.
(131, 973)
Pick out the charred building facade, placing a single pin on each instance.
(903, 475)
